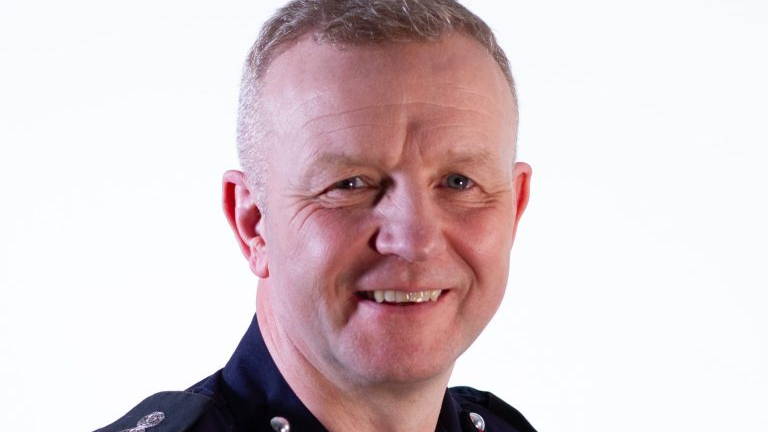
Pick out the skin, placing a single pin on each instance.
(391, 168)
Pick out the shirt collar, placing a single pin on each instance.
(256, 391)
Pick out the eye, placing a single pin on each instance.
(350, 183)
(458, 181)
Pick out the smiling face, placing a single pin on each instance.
(391, 205)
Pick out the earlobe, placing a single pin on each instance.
(246, 220)
(257, 257)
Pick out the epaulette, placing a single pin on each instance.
(171, 411)
(470, 398)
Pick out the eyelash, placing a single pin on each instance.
(468, 183)
(344, 184)
(357, 182)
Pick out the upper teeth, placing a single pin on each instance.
(391, 296)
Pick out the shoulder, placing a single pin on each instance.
(200, 408)
(172, 411)
(497, 414)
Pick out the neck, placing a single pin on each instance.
(347, 405)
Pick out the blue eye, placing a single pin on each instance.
(458, 181)
(350, 183)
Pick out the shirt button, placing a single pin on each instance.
(478, 421)
(280, 424)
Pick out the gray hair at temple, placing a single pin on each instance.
(339, 22)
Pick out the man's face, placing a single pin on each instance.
(391, 175)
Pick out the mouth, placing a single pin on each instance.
(401, 297)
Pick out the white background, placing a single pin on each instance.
(637, 297)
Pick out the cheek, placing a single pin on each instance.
(333, 236)
(316, 256)
(483, 242)
(484, 238)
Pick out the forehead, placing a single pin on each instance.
(310, 78)
(381, 102)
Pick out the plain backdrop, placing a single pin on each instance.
(637, 295)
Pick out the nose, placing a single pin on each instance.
(410, 225)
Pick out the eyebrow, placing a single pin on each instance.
(334, 158)
(324, 159)
(477, 157)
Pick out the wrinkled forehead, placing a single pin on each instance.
(311, 78)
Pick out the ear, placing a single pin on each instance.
(246, 220)
(521, 184)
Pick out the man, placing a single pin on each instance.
(378, 205)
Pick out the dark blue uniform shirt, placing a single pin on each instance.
(250, 392)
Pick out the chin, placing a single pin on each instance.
(393, 374)
(401, 366)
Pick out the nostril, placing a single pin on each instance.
(408, 224)
(412, 243)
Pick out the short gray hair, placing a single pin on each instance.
(353, 22)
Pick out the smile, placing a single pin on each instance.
(391, 296)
